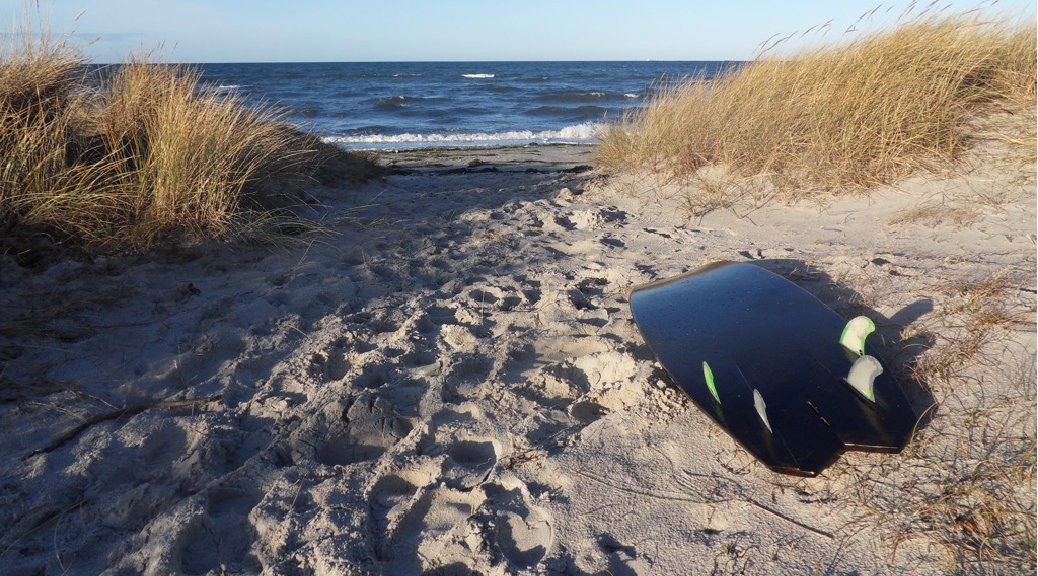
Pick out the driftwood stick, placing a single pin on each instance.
(116, 414)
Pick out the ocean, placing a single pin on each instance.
(395, 105)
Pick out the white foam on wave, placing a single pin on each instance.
(477, 75)
(632, 96)
(578, 134)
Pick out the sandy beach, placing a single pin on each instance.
(449, 381)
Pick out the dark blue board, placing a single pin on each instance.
(759, 331)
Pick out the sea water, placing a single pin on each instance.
(393, 105)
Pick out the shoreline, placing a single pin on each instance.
(451, 380)
(475, 159)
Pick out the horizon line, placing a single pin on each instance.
(663, 60)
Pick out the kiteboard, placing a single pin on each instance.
(786, 376)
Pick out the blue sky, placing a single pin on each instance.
(402, 30)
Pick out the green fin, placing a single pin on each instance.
(758, 403)
(855, 332)
(708, 374)
(863, 375)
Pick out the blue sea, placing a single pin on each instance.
(393, 105)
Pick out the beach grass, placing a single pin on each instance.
(142, 154)
(835, 118)
(967, 480)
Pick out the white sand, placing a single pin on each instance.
(453, 382)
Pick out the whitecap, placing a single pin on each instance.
(586, 133)
(632, 96)
(390, 103)
(477, 75)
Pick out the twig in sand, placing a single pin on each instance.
(53, 515)
(686, 498)
(114, 414)
(639, 492)
(736, 494)
(781, 516)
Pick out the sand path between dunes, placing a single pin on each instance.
(452, 382)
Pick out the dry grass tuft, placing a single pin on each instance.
(978, 314)
(936, 213)
(838, 118)
(143, 155)
(967, 481)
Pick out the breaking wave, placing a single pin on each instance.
(578, 134)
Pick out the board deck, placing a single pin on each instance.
(762, 357)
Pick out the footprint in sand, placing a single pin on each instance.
(587, 411)
(330, 365)
(390, 497)
(374, 375)
(485, 297)
(349, 433)
(469, 462)
(418, 358)
(593, 285)
(220, 540)
(592, 218)
(519, 531)
(554, 385)
(424, 524)
(531, 289)
(623, 559)
(491, 298)
(433, 533)
(420, 515)
(465, 377)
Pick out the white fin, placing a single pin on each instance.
(855, 332)
(758, 403)
(863, 375)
